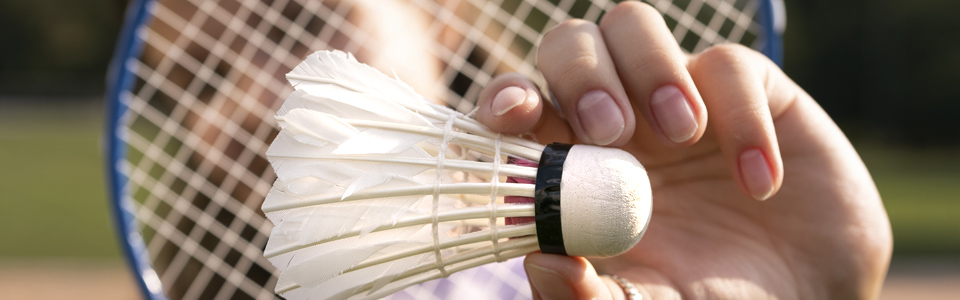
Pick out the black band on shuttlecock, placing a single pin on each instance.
(547, 198)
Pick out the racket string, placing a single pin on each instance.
(211, 75)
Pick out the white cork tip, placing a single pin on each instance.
(606, 202)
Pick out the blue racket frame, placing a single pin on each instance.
(120, 79)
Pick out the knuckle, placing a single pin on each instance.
(657, 61)
(745, 123)
(571, 47)
(559, 38)
(629, 9)
(743, 116)
(725, 56)
(566, 75)
(573, 70)
(568, 27)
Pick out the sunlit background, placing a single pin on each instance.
(886, 70)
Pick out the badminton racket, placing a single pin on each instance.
(194, 84)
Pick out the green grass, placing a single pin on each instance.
(54, 203)
(51, 183)
(921, 192)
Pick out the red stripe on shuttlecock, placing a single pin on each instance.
(519, 199)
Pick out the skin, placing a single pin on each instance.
(821, 231)
(740, 132)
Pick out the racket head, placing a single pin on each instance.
(133, 70)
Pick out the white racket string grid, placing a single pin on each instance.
(195, 83)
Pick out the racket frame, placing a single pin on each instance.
(119, 81)
(120, 78)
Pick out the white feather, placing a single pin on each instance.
(353, 205)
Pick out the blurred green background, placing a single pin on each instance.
(886, 70)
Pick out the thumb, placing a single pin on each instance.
(554, 277)
(510, 103)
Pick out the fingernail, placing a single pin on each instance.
(756, 174)
(600, 117)
(548, 283)
(507, 99)
(673, 114)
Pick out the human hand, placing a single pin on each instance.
(823, 232)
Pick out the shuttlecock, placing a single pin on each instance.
(379, 189)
